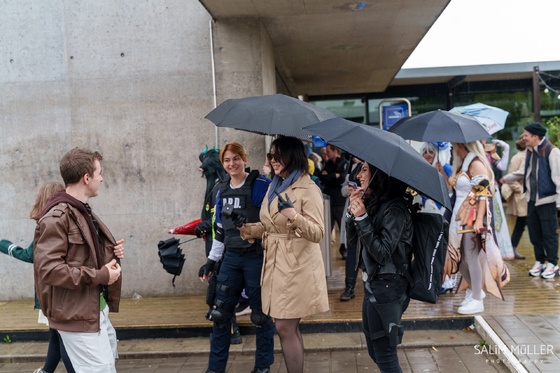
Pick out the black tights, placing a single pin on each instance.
(55, 352)
(292, 343)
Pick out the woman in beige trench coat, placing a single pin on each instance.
(517, 203)
(293, 282)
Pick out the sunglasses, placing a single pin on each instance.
(271, 156)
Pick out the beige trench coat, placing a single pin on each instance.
(517, 203)
(293, 281)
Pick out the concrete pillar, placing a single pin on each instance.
(244, 60)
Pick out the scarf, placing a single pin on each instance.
(279, 185)
(63, 197)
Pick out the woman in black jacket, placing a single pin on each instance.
(379, 216)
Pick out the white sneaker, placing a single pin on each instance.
(474, 306)
(536, 270)
(468, 297)
(550, 271)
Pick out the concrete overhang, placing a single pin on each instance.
(326, 47)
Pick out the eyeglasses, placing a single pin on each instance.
(271, 156)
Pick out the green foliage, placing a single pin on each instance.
(482, 343)
(7, 339)
(553, 130)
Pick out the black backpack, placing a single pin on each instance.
(429, 247)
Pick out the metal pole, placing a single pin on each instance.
(536, 95)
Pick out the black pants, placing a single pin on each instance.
(386, 289)
(351, 271)
(542, 222)
(55, 352)
(520, 223)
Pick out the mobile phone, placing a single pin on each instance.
(353, 184)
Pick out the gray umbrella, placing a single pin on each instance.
(440, 125)
(269, 115)
(386, 151)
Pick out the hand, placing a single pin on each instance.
(356, 205)
(118, 249)
(284, 203)
(479, 227)
(499, 143)
(198, 231)
(206, 269)
(350, 189)
(114, 271)
(238, 220)
(286, 207)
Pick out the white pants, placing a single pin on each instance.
(93, 352)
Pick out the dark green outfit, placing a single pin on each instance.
(18, 252)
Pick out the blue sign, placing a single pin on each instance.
(393, 113)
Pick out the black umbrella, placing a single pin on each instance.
(386, 151)
(440, 125)
(269, 115)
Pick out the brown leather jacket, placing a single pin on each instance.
(67, 280)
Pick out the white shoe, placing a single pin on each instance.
(474, 306)
(550, 271)
(536, 270)
(468, 297)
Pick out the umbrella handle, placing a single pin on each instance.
(192, 239)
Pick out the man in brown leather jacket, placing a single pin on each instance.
(77, 273)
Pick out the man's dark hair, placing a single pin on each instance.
(76, 163)
(292, 153)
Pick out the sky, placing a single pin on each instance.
(480, 32)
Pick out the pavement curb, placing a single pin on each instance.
(497, 346)
(185, 347)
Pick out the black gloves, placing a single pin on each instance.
(199, 232)
(238, 219)
(284, 203)
(207, 268)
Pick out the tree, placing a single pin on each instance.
(553, 130)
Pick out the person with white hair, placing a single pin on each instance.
(438, 154)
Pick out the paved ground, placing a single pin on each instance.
(433, 351)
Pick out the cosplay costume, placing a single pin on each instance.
(495, 273)
(240, 269)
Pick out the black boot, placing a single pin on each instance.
(261, 370)
(517, 255)
(343, 251)
(349, 292)
(235, 334)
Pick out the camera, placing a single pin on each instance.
(227, 210)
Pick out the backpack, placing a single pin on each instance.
(429, 247)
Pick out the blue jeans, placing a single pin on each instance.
(542, 223)
(239, 271)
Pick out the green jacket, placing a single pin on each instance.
(18, 252)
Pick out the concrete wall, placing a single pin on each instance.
(132, 80)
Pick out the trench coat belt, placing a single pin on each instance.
(265, 245)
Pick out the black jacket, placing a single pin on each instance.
(385, 237)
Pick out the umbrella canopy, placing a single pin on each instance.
(269, 115)
(386, 151)
(440, 125)
(492, 118)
